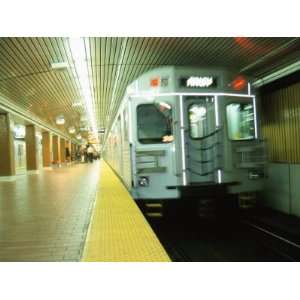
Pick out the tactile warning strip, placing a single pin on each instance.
(118, 231)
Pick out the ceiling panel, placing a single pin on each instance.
(27, 79)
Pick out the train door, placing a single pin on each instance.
(201, 139)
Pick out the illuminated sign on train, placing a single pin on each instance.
(198, 82)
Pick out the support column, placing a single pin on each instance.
(73, 151)
(56, 149)
(31, 148)
(7, 151)
(62, 150)
(46, 141)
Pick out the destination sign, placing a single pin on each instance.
(198, 82)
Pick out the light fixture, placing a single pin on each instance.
(239, 83)
(154, 82)
(58, 66)
(83, 119)
(102, 130)
(72, 129)
(116, 83)
(77, 46)
(78, 136)
(76, 104)
(277, 74)
(60, 120)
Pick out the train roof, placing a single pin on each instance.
(173, 78)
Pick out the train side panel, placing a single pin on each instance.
(155, 174)
(117, 148)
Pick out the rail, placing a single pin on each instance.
(288, 249)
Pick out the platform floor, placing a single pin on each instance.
(118, 231)
(68, 214)
(45, 217)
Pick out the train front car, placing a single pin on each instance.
(194, 135)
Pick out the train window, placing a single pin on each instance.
(240, 121)
(154, 124)
(197, 118)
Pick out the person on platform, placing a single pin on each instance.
(90, 153)
(83, 155)
(68, 156)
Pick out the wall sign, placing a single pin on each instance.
(19, 131)
(101, 130)
(198, 82)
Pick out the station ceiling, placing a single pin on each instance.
(27, 79)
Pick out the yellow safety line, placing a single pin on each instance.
(118, 231)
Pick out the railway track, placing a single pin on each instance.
(191, 240)
(284, 247)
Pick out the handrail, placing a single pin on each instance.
(203, 161)
(209, 135)
(212, 160)
(205, 148)
(205, 137)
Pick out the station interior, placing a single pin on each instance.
(62, 197)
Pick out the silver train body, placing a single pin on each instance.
(183, 127)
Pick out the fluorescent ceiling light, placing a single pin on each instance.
(59, 65)
(77, 104)
(60, 120)
(113, 98)
(72, 129)
(277, 75)
(77, 47)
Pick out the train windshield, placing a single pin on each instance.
(154, 123)
(240, 121)
(201, 117)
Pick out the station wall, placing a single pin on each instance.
(281, 129)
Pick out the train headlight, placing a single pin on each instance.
(143, 181)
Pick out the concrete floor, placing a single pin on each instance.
(45, 216)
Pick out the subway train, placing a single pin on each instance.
(185, 132)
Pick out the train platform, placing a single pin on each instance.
(118, 230)
(46, 216)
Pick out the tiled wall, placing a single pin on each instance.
(282, 188)
(281, 123)
(281, 129)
